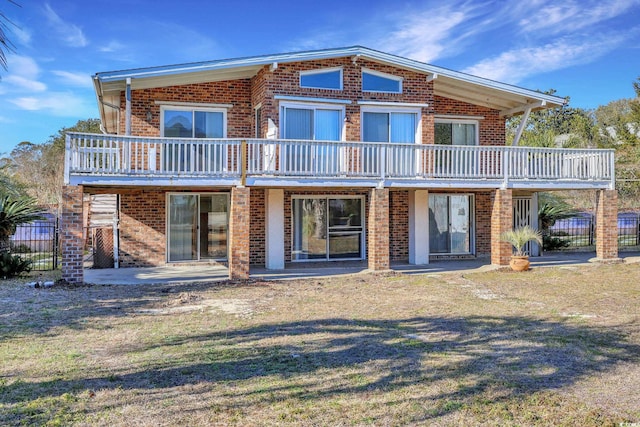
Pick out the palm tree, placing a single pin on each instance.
(5, 43)
(520, 237)
(13, 212)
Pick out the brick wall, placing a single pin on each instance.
(239, 224)
(399, 225)
(378, 229)
(142, 228)
(607, 224)
(285, 80)
(71, 235)
(483, 222)
(501, 221)
(258, 231)
(492, 127)
(145, 240)
(236, 92)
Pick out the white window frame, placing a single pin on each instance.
(321, 71)
(472, 224)
(167, 225)
(313, 106)
(392, 109)
(363, 243)
(194, 108)
(384, 75)
(474, 122)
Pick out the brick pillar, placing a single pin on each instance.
(71, 234)
(378, 229)
(501, 221)
(239, 215)
(607, 225)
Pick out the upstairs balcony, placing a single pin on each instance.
(111, 160)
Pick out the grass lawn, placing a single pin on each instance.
(553, 346)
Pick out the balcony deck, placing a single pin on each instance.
(112, 160)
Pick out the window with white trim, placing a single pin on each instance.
(375, 81)
(197, 123)
(456, 132)
(187, 122)
(320, 122)
(395, 125)
(328, 78)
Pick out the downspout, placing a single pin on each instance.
(127, 126)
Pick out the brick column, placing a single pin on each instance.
(239, 215)
(378, 229)
(501, 221)
(71, 234)
(607, 225)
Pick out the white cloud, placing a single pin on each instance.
(427, 34)
(75, 79)
(571, 15)
(112, 46)
(516, 64)
(64, 104)
(21, 35)
(23, 75)
(70, 33)
(25, 84)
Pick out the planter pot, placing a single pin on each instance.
(519, 263)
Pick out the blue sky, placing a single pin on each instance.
(586, 49)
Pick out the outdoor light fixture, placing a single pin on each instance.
(149, 115)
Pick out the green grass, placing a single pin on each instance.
(554, 346)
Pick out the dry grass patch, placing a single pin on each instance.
(547, 347)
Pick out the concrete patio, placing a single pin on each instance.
(171, 274)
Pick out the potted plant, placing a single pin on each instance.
(518, 238)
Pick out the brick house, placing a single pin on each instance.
(338, 154)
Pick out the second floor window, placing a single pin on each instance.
(193, 123)
(456, 133)
(311, 123)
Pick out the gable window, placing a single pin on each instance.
(330, 78)
(456, 132)
(197, 123)
(375, 81)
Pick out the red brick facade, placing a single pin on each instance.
(239, 224)
(71, 236)
(607, 224)
(501, 221)
(143, 215)
(378, 229)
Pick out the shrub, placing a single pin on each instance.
(13, 265)
(550, 243)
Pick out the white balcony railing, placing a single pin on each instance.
(111, 155)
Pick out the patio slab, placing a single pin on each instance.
(172, 274)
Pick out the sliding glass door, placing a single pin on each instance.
(197, 227)
(327, 228)
(450, 223)
(398, 127)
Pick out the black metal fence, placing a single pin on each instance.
(38, 242)
(579, 231)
